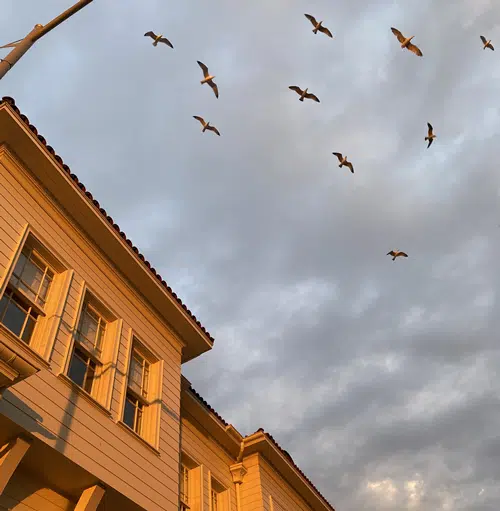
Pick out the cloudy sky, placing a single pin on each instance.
(381, 379)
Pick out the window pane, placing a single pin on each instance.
(88, 326)
(28, 329)
(129, 412)
(44, 290)
(20, 264)
(89, 380)
(135, 375)
(32, 275)
(138, 426)
(77, 369)
(14, 318)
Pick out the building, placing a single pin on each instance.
(94, 411)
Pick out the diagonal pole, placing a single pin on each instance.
(21, 47)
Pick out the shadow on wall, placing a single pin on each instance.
(22, 414)
(30, 491)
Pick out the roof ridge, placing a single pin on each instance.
(11, 102)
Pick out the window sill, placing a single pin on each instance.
(131, 432)
(24, 350)
(70, 383)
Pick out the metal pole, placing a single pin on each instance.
(40, 30)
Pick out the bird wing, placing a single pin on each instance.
(312, 19)
(430, 128)
(214, 88)
(414, 49)
(483, 39)
(349, 164)
(198, 118)
(326, 31)
(312, 96)
(166, 41)
(490, 46)
(214, 129)
(390, 253)
(430, 142)
(338, 155)
(150, 34)
(404, 254)
(203, 68)
(398, 34)
(298, 90)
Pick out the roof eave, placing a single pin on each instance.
(27, 148)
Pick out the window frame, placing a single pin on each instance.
(104, 376)
(29, 245)
(151, 406)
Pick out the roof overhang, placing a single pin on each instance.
(17, 361)
(259, 443)
(225, 435)
(26, 147)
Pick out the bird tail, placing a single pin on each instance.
(301, 99)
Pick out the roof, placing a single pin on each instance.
(287, 455)
(11, 102)
(270, 438)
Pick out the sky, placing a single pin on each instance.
(380, 378)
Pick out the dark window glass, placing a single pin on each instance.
(77, 369)
(129, 413)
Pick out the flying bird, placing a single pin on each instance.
(158, 39)
(303, 93)
(487, 44)
(206, 125)
(318, 26)
(396, 253)
(208, 78)
(430, 135)
(343, 161)
(405, 42)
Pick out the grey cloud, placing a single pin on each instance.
(320, 338)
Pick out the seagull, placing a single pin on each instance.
(405, 42)
(343, 161)
(208, 78)
(303, 93)
(158, 39)
(396, 253)
(487, 44)
(430, 136)
(206, 125)
(318, 26)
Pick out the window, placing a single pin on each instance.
(137, 400)
(218, 496)
(214, 500)
(184, 488)
(24, 299)
(85, 366)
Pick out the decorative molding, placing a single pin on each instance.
(238, 472)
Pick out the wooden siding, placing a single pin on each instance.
(74, 425)
(251, 491)
(25, 493)
(214, 459)
(283, 496)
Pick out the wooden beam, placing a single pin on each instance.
(90, 498)
(10, 457)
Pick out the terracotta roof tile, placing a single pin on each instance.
(206, 405)
(285, 453)
(10, 101)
